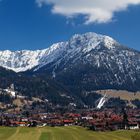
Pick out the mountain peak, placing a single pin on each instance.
(91, 35)
(92, 40)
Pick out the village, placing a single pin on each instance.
(99, 118)
(96, 120)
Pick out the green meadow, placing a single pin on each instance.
(64, 133)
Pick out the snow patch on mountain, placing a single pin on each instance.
(20, 60)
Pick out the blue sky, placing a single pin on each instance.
(30, 24)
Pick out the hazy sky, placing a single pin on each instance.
(36, 24)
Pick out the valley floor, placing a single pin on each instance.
(62, 133)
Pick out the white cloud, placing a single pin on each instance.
(99, 11)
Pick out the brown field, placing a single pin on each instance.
(124, 95)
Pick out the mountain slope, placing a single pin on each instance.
(44, 88)
(92, 62)
(32, 86)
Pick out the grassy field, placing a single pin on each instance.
(62, 133)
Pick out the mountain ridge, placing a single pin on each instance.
(24, 60)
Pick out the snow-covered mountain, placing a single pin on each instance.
(24, 60)
(91, 61)
(19, 61)
(87, 60)
(75, 68)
